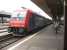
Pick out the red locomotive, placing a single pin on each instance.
(25, 21)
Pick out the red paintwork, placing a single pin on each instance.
(29, 14)
(23, 23)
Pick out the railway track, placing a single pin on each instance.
(7, 40)
(5, 37)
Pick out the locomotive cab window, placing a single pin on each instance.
(21, 15)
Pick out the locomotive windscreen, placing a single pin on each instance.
(19, 15)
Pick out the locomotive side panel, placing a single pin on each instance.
(36, 21)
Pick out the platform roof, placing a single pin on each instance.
(52, 7)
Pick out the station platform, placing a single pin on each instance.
(45, 39)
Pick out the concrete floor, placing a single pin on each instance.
(46, 39)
